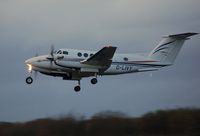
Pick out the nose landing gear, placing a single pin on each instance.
(29, 80)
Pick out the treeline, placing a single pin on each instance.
(179, 122)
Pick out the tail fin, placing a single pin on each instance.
(167, 50)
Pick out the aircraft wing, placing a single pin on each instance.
(102, 58)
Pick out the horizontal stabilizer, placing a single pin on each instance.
(182, 36)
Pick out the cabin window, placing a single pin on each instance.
(125, 59)
(79, 54)
(65, 52)
(85, 55)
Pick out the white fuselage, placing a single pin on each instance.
(69, 61)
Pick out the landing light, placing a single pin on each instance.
(29, 67)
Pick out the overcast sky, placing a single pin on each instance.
(29, 27)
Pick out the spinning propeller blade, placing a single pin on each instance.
(52, 50)
(51, 55)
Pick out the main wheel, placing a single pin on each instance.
(29, 80)
(94, 81)
(77, 88)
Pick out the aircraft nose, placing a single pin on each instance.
(29, 61)
(26, 61)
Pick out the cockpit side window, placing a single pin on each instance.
(65, 52)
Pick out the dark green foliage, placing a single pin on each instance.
(186, 121)
(183, 122)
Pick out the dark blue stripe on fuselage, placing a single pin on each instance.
(139, 64)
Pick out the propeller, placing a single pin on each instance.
(52, 50)
(51, 55)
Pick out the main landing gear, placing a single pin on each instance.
(94, 81)
(78, 87)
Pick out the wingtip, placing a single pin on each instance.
(192, 33)
(110, 46)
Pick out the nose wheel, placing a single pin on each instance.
(29, 80)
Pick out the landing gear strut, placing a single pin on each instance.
(94, 80)
(29, 80)
(78, 87)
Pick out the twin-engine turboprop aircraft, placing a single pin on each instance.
(73, 64)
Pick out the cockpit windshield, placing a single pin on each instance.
(59, 52)
(62, 52)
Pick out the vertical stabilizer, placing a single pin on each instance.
(167, 50)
